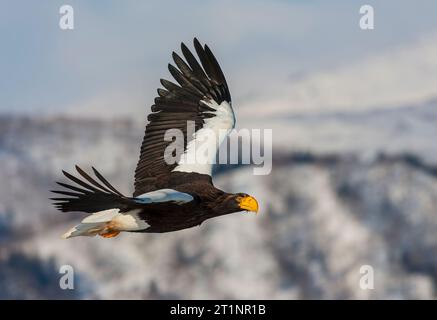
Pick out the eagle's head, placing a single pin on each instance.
(230, 203)
(244, 202)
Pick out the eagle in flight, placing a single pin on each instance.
(169, 196)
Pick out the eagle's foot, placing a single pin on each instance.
(109, 233)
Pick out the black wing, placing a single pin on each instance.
(176, 105)
(91, 196)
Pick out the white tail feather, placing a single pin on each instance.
(84, 229)
(100, 222)
(102, 216)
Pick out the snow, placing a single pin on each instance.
(319, 222)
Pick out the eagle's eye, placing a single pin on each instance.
(246, 202)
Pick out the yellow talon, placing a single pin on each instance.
(109, 233)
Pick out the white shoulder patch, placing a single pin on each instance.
(200, 153)
(164, 195)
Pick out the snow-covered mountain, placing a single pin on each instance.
(324, 214)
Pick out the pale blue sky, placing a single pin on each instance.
(120, 49)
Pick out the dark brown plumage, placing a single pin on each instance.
(176, 105)
(167, 197)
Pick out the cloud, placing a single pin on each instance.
(114, 58)
(397, 77)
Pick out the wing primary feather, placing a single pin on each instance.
(170, 86)
(174, 88)
(187, 72)
(60, 199)
(195, 66)
(185, 69)
(73, 188)
(67, 193)
(204, 59)
(217, 70)
(162, 92)
(91, 180)
(80, 182)
(219, 73)
(106, 183)
(182, 80)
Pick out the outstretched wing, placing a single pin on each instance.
(199, 107)
(90, 195)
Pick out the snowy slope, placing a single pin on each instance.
(322, 217)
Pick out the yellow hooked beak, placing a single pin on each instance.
(248, 203)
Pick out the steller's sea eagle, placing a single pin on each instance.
(168, 196)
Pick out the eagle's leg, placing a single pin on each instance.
(108, 232)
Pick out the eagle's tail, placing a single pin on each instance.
(102, 223)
